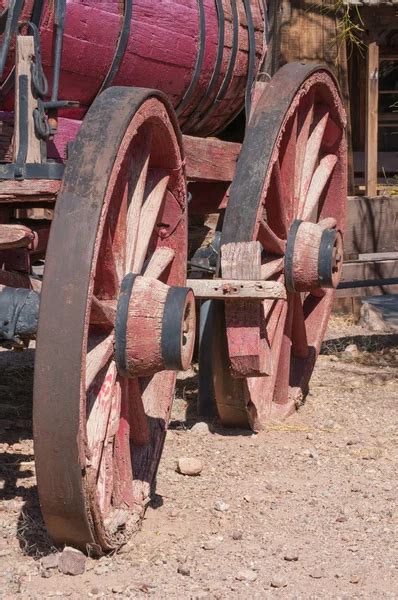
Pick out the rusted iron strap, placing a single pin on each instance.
(120, 47)
(199, 60)
(252, 58)
(196, 114)
(230, 70)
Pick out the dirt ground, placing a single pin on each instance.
(306, 509)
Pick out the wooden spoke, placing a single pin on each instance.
(269, 240)
(302, 140)
(272, 268)
(159, 261)
(98, 417)
(107, 282)
(103, 312)
(136, 190)
(139, 429)
(154, 194)
(275, 321)
(318, 183)
(276, 203)
(105, 477)
(312, 152)
(97, 358)
(288, 157)
(299, 334)
(281, 391)
(105, 471)
(122, 480)
(328, 223)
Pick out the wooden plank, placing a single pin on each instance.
(372, 225)
(29, 190)
(235, 289)
(210, 159)
(248, 351)
(372, 100)
(24, 59)
(15, 236)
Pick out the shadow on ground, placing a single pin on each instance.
(17, 469)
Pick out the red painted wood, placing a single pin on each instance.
(161, 51)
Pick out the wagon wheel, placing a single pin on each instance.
(289, 193)
(107, 338)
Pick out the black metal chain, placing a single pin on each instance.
(39, 85)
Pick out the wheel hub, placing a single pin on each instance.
(314, 256)
(154, 328)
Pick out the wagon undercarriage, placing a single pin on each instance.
(114, 315)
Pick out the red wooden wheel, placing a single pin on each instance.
(289, 193)
(99, 434)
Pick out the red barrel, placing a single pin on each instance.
(201, 53)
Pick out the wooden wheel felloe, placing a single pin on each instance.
(99, 429)
(289, 194)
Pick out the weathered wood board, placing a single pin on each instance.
(372, 225)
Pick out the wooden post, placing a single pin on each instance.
(24, 58)
(372, 101)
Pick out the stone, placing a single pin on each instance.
(371, 318)
(355, 579)
(51, 561)
(291, 556)
(278, 582)
(237, 535)
(184, 570)
(351, 350)
(246, 575)
(200, 428)
(210, 544)
(221, 506)
(72, 561)
(317, 574)
(189, 466)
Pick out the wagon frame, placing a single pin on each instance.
(117, 311)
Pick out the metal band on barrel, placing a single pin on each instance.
(199, 60)
(195, 114)
(252, 58)
(230, 70)
(120, 47)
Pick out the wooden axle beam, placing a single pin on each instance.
(235, 289)
(15, 236)
(210, 159)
